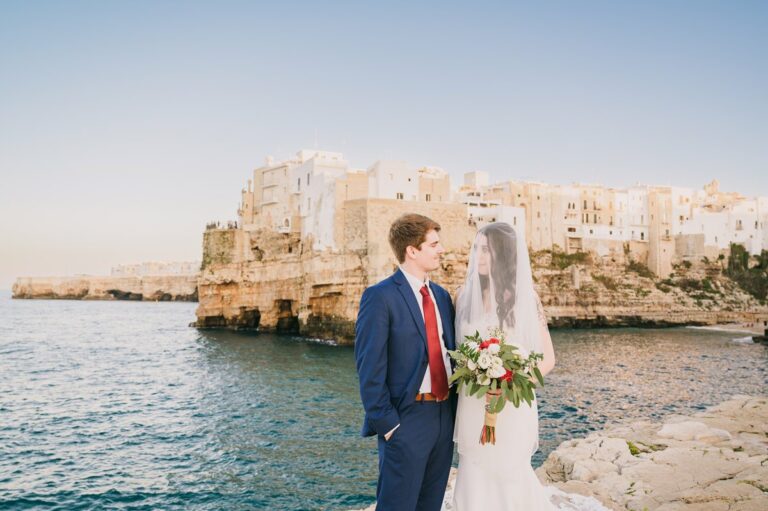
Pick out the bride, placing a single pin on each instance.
(498, 294)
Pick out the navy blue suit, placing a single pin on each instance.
(391, 354)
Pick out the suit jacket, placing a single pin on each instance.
(391, 349)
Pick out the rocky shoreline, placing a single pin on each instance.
(161, 288)
(715, 460)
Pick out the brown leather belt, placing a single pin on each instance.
(428, 396)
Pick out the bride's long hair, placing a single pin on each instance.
(509, 287)
(502, 244)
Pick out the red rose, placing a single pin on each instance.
(485, 344)
(507, 376)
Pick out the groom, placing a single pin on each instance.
(403, 330)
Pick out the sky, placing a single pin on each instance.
(126, 126)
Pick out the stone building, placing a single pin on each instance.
(654, 225)
(312, 234)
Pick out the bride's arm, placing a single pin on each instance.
(548, 363)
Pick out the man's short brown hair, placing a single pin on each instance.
(410, 230)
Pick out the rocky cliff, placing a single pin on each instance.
(274, 281)
(152, 288)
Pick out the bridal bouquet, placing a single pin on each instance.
(497, 371)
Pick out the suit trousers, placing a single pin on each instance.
(415, 463)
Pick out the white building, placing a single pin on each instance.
(314, 187)
(390, 179)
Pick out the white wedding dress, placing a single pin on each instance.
(499, 477)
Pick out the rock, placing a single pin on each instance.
(691, 430)
(714, 460)
(717, 459)
(148, 288)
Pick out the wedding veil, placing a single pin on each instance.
(509, 280)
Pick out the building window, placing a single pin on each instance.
(309, 205)
(538, 214)
(591, 231)
(594, 218)
(298, 184)
(399, 196)
(514, 221)
(585, 204)
(571, 229)
(307, 178)
(428, 197)
(642, 235)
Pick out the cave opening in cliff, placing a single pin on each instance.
(287, 322)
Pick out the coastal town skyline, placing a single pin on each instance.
(124, 129)
(486, 200)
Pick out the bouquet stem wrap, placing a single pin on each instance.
(488, 433)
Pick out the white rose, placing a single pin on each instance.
(493, 349)
(471, 365)
(484, 360)
(497, 371)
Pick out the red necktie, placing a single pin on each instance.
(436, 364)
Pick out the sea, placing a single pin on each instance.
(123, 405)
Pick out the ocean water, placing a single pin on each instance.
(121, 405)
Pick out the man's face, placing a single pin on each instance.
(427, 256)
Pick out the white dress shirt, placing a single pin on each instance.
(416, 285)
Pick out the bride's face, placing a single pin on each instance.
(483, 255)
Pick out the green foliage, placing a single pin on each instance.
(687, 265)
(642, 292)
(607, 281)
(561, 260)
(640, 269)
(753, 280)
(708, 287)
(689, 285)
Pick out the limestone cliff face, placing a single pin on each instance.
(273, 281)
(151, 288)
(598, 291)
